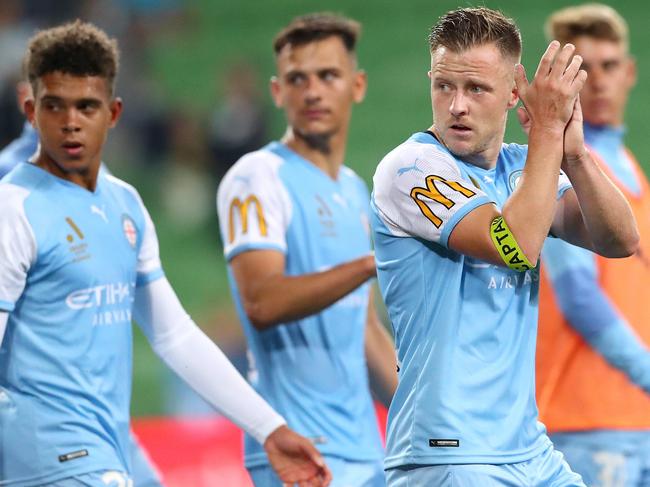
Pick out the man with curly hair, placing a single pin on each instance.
(78, 259)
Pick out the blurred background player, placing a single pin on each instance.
(294, 222)
(459, 220)
(78, 259)
(144, 473)
(22, 148)
(593, 362)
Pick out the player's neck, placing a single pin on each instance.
(86, 177)
(328, 157)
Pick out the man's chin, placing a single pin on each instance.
(599, 120)
(74, 166)
(459, 148)
(318, 140)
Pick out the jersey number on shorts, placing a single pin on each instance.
(432, 193)
(240, 207)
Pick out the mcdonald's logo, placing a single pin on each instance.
(431, 192)
(240, 207)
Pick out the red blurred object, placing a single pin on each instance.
(200, 452)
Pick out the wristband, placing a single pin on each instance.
(508, 247)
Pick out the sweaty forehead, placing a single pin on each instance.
(592, 49)
(485, 62)
(324, 53)
(66, 85)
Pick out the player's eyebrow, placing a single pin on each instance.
(51, 98)
(94, 102)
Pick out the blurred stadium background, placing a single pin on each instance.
(190, 66)
(194, 81)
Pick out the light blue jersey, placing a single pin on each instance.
(464, 329)
(312, 370)
(607, 143)
(69, 262)
(19, 150)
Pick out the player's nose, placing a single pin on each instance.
(71, 121)
(458, 105)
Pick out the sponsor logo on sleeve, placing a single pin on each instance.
(241, 207)
(425, 196)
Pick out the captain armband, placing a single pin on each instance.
(508, 247)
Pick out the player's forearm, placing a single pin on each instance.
(622, 349)
(606, 214)
(196, 359)
(281, 298)
(530, 209)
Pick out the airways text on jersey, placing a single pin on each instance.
(112, 301)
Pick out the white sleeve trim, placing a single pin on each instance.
(253, 205)
(198, 361)
(149, 255)
(419, 191)
(17, 244)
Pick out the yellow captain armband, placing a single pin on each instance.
(508, 247)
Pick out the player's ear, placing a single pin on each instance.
(116, 110)
(360, 86)
(514, 97)
(29, 107)
(631, 71)
(274, 85)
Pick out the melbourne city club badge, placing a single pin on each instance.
(130, 232)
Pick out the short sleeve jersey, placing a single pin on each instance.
(311, 370)
(70, 260)
(464, 329)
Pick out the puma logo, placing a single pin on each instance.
(406, 169)
(99, 211)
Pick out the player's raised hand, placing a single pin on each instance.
(549, 99)
(574, 139)
(295, 460)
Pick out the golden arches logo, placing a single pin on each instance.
(241, 207)
(431, 192)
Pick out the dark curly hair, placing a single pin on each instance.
(77, 48)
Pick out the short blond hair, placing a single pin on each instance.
(591, 20)
(464, 28)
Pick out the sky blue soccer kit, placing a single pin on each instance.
(70, 261)
(311, 370)
(464, 329)
(20, 150)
